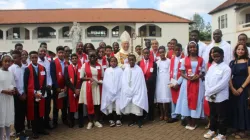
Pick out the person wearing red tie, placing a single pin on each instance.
(175, 79)
(82, 57)
(154, 54)
(73, 83)
(149, 69)
(57, 67)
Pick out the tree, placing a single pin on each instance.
(199, 24)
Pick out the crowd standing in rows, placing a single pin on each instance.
(187, 82)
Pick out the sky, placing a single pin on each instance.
(183, 8)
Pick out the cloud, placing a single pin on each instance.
(12, 4)
(186, 8)
(113, 4)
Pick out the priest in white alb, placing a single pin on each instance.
(133, 99)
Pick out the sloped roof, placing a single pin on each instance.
(99, 15)
(228, 4)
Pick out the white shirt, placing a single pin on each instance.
(228, 51)
(46, 64)
(217, 82)
(18, 73)
(202, 49)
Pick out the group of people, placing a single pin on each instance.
(186, 82)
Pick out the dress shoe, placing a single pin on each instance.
(35, 136)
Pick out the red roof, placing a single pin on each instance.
(228, 4)
(88, 16)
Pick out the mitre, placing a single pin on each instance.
(125, 37)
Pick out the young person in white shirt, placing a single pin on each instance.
(217, 93)
(19, 99)
(42, 60)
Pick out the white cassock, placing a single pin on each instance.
(134, 98)
(111, 90)
(226, 47)
(202, 49)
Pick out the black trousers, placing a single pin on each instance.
(218, 117)
(47, 106)
(151, 105)
(55, 110)
(80, 114)
(20, 112)
(38, 122)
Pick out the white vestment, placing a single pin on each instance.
(226, 47)
(111, 89)
(134, 91)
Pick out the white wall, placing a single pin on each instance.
(169, 31)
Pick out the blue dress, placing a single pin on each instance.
(182, 102)
(239, 113)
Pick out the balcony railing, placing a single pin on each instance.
(244, 26)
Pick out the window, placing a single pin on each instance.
(129, 30)
(27, 34)
(152, 31)
(46, 32)
(1, 34)
(247, 18)
(65, 31)
(16, 33)
(223, 20)
(143, 31)
(115, 32)
(97, 31)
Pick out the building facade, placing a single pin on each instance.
(31, 27)
(233, 18)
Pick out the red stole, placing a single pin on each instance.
(151, 55)
(147, 74)
(90, 105)
(73, 101)
(112, 54)
(171, 54)
(60, 80)
(79, 62)
(175, 92)
(31, 95)
(192, 86)
(104, 62)
(206, 105)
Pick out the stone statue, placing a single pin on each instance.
(75, 34)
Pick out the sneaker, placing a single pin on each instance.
(97, 124)
(209, 134)
(187, 126)
(131, 123)
(90, 125)
(111, 123)
(118, 123)
(192, 127)
(220, 137)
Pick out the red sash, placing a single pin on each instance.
(104, 62)
(151, 56)
(90, 105)
(206, 105)
(175, 92)
(60, 80)
(73, 101)
(147, 73)
(171, 54)
(193, 86)
(79, 62)
(31, 96)
(112, 54)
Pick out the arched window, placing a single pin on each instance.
(97, 31)
(150, 30)
(18, 33)
(115, 31)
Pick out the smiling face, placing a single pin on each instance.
(131, 60)
(42, 52)
(101, 53)
(242, 40)
(113, 62)
(217, 35)
(34, 58)
(125, 45)
(192, 49)
(162, 53)
(74, 60)
(6, 62)
(217, 58)
(155, 45)
(146, 54)
(240, 51)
